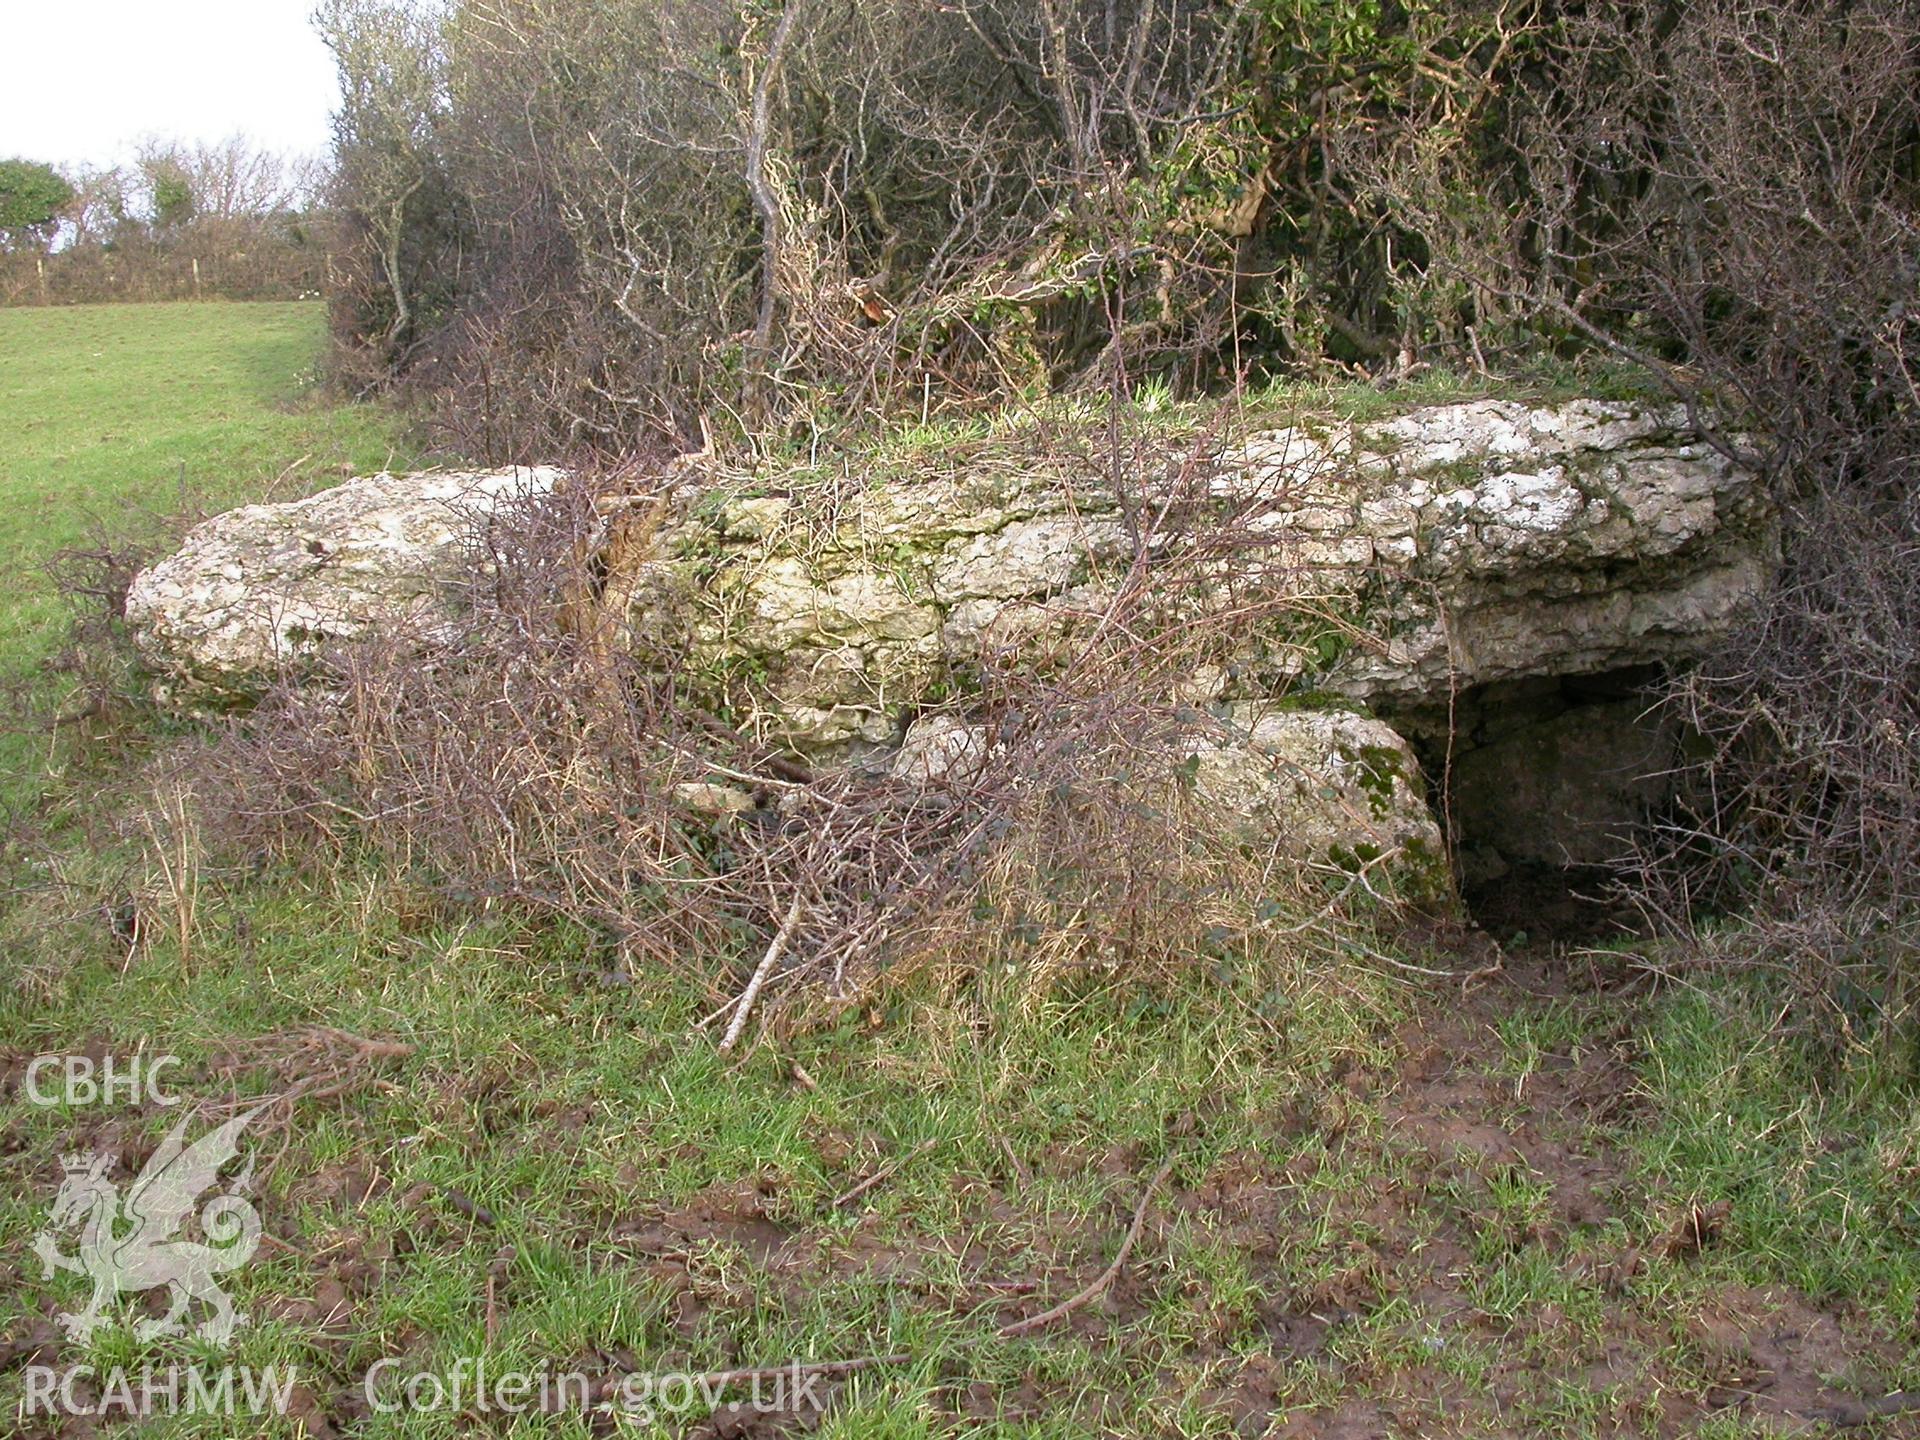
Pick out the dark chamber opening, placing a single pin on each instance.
(1542, 785)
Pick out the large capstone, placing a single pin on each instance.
(1459, 544)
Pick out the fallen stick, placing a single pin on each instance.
(761, 971)
(1105, 1281)
(369, 1049)
(1020, 1170)
(883, 1172)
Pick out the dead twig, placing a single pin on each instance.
(1106, 1278)
(760, 974)
(468, 1206)
(1020, 1170)
(881, 1175)
(321, 1063)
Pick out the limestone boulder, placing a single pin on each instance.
(1455, 545)
(1557, 540)
(261, 589)
(941, 748)
(1395, 566)
(1332, 790)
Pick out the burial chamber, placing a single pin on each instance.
(1462, 604)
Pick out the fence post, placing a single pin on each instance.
(40, 264)
(196, 275)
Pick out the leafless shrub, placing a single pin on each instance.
(183, 222)
(1804, 808)
(1731, 198)
(683, 220)
(99, 691)
(202, 265)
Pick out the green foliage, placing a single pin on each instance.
(1816, 1157)
(32, 195)
(181, 221)
(173, 198)
(1365, 105)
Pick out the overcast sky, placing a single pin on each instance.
(87, 78)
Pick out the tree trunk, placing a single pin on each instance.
(765, 202)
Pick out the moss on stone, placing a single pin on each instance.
(1381, 771)
(1356, 857)
(1426, 874)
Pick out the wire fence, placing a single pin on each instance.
(95, 275)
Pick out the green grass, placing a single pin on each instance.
(1818, 1158)
(560, 1171)
(112, 416)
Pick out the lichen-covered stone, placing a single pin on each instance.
(721, 803)
(1556, 540)
(941, 748)
(1329, 787)
(1332, 790)
(265, 587)
(1429, 553)
(1439, 550)
(1462, 544)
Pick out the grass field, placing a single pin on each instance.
(110, 411)
(1311, 1198)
